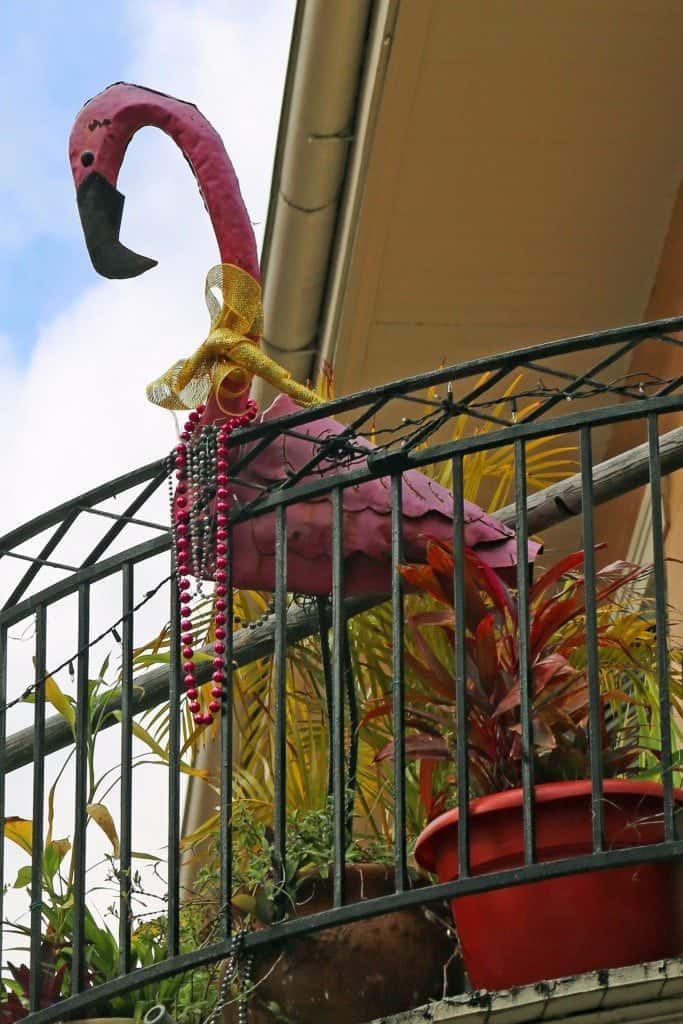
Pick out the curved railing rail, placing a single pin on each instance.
(410, 423)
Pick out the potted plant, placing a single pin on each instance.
(328, 974)
(574, 923)
(190, 1000)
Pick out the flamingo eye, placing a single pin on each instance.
(87, 158)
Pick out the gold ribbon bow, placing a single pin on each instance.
(226, 362)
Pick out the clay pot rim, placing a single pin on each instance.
(100, 1020)
(546, 793)
(373, 872)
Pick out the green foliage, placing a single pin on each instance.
(258, 886)
(191, 997)
(629, 709)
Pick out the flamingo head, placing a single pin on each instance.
(97, 146)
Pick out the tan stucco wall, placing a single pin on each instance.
(616, 520)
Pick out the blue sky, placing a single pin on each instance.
(50, 63)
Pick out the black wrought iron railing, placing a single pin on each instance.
(63, 611)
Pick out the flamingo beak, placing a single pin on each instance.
(100, 206)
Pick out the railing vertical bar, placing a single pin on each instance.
(324, 629)
(525, 673)
(280, 679)
(337, 737)
(225, 604)
(3, 735)
(398, 683)
(36, 972)
(354, 723)
(174, 688)
(592, 653)
(461, 709)
(661, 623)
(80, 814)
(127, 642)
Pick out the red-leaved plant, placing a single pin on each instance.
(14, 1002)
(560, 702)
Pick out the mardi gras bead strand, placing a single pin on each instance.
(191, 480)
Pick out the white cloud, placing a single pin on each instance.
(76, 415)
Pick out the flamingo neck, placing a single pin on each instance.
(203, 148)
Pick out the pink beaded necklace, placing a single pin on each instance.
(191, 554)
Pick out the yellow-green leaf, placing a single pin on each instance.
(244, 902)
(62, 847)
(60, 702)
(149, 740)
(53, 855)
(207, 828)
(24, 877)
(101, 816)
(20, 831)
(156, 748)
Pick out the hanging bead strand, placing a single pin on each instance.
(195, 475)
(185, 497)
(221, 550)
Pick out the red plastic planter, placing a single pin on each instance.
(562, 926)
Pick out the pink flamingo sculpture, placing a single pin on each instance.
(217, 378)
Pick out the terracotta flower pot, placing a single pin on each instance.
(359, 971)
(582, 922)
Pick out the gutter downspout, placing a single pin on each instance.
(324, 126)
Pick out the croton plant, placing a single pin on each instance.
(558, 654)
